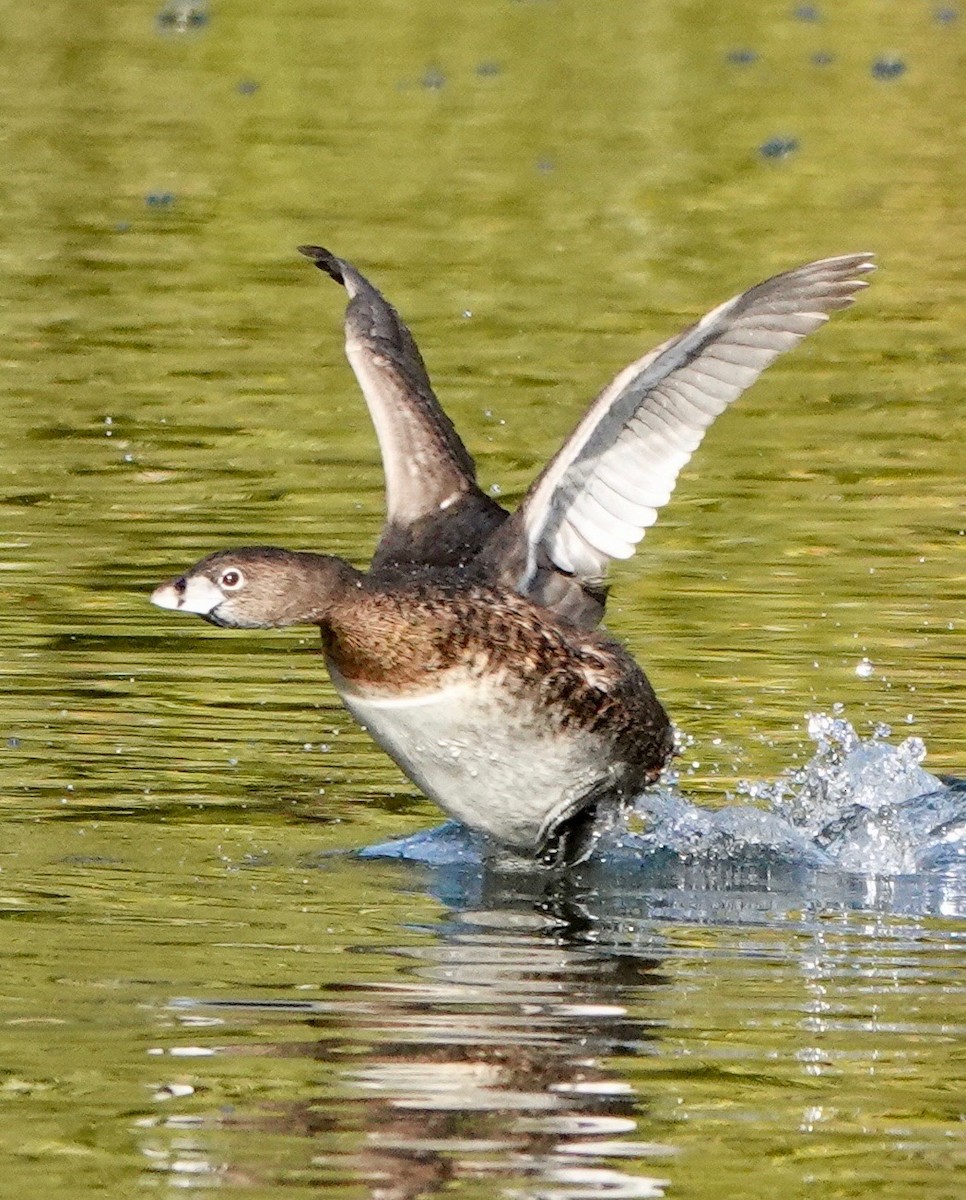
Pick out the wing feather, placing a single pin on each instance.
(425, 461)
(604, 488)
(435, 513)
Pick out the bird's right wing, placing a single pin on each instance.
(604, 488)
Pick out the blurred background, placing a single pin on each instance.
(545, 189)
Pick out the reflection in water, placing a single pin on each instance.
(511, 1045)
(491, 1058)
(566, 1040)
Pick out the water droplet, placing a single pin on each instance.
(913, 750)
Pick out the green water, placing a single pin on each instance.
(544, 189)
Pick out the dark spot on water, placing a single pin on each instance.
(778, 147)
(433, 79)
(13, 743)
(888, 67)
(27, 499)
(90, 860)
(247, 87)
(122, 227)
(946, 16)
(741, 57)
(807, 12)
(545, 165)
(159, 199)
(822, 58)
(183, 16)
(486, 70)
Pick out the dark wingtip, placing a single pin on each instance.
(325, 261)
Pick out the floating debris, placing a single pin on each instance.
(159, 199)
(741, 57)
(807, 12)
(822, 58)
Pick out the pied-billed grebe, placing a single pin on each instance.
(468, 650)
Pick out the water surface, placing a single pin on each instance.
(201, 989)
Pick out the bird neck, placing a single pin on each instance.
(319, 588)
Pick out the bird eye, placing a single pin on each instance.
(231, 578)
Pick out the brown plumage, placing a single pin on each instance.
(469, 649)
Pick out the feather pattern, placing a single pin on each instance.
(435, 513)
(425, 461)
(598, 495)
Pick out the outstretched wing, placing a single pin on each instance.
(435, 513)
(604, 488)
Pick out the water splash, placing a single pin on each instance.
(846, 771)
(861, 806)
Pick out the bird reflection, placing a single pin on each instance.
(490, 1056)
(493, 1053)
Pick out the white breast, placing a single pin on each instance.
(504, 773)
